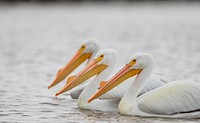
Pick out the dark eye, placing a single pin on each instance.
(83, 46)
(134, 60)
(101, 56)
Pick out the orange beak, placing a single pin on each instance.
(78, 59)
(89, 71)
(125, 73)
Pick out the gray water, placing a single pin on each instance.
(37, 40)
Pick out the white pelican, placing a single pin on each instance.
(102, 66)
(87, 51)
(178, 99)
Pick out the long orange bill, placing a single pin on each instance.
(120, 77)
(89, 71)
(78, 59)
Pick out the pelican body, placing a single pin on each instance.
(178, 99)
(100, 67)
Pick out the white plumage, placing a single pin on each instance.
(173, 98)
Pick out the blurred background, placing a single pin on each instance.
(38, 37)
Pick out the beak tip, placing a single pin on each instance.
(56, 94)
(90, 100)
(50, 86)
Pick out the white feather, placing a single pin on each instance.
(173, 98)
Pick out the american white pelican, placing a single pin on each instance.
(102, 66)
(87, 51)
(178, 99)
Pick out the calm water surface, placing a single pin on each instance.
(37, 40)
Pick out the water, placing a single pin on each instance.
(36, 40)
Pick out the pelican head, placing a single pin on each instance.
(103, 60)
(140, 60)
(108, 57)
(86, 52)
(137, 63)
(89, 47)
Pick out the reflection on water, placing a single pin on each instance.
(35, 41)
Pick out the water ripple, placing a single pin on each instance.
(1, 115)
(48, 103)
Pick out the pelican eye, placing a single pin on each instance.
(132, 62)
(101, 56)
(83, 46)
